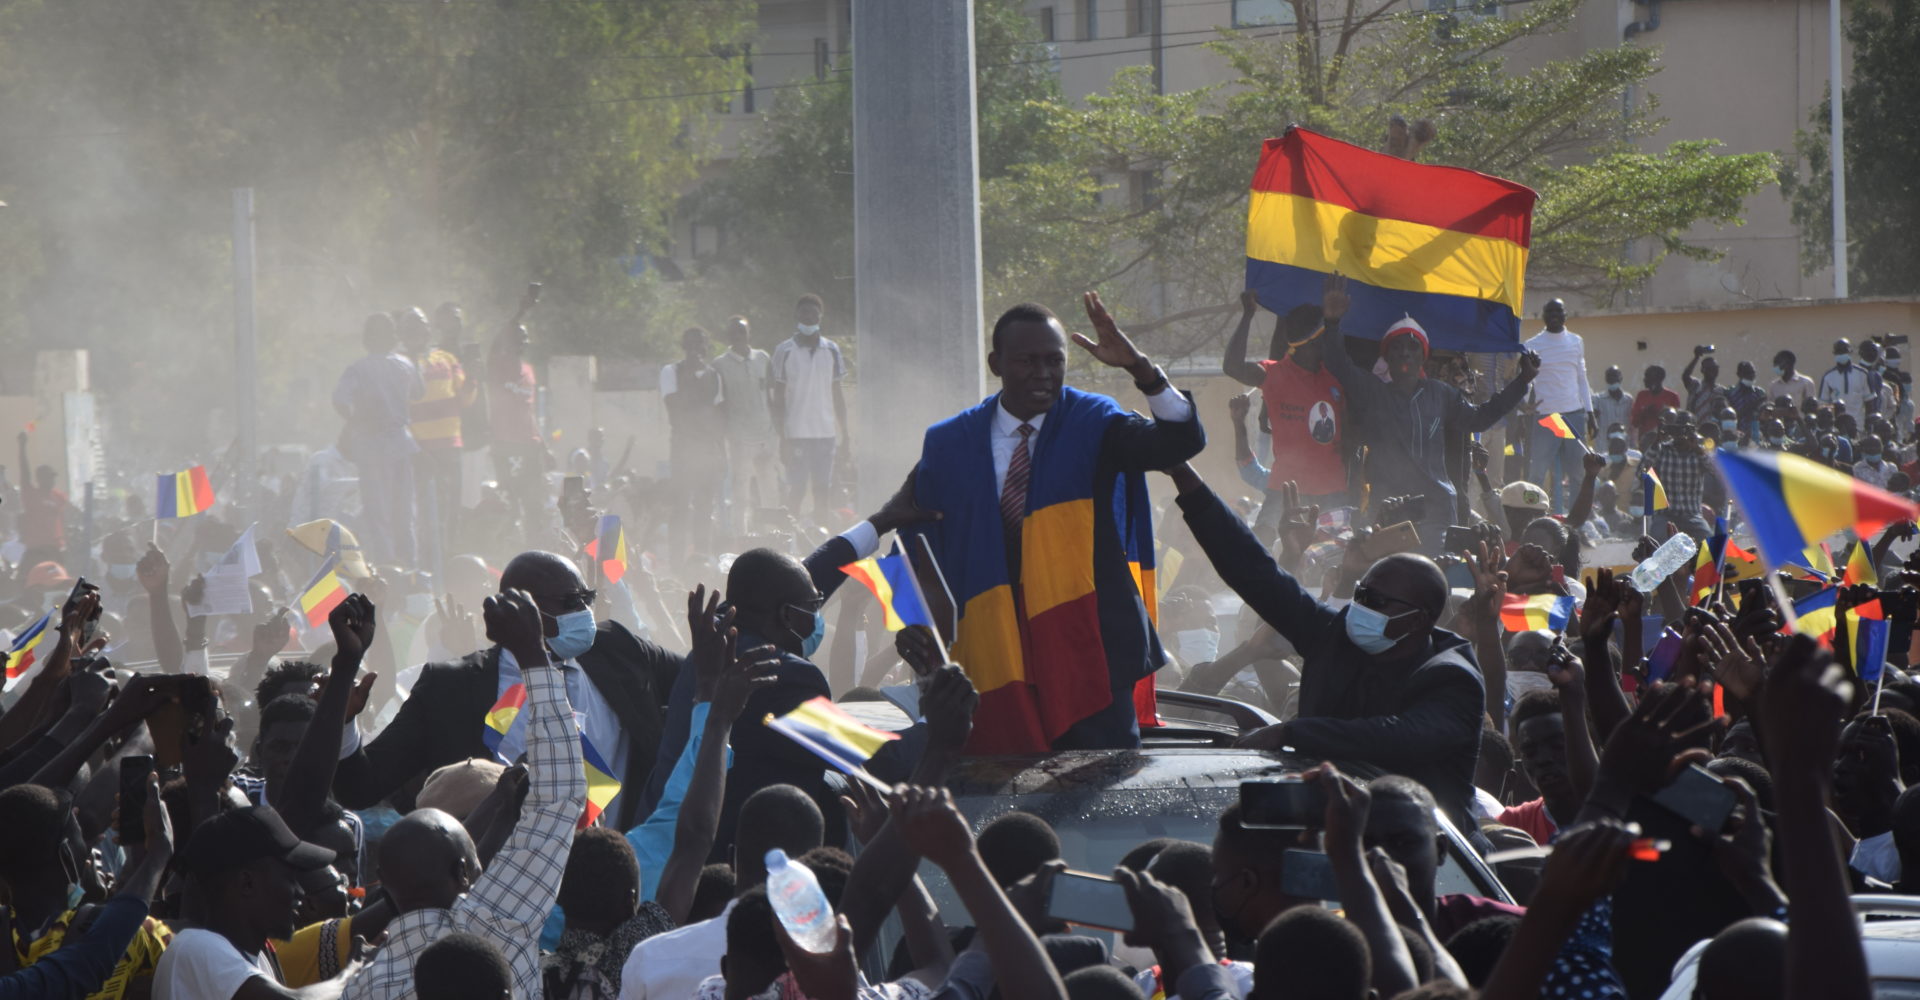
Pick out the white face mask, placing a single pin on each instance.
(1841, 359)
(808, 330)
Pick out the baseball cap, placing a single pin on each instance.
(1523, 495)
(457, 788)
(239, 837)
(47, 574)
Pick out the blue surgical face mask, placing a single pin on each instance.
(1747, 382)
(120, 571)
(1727, 425)
(1368, 628)
(1197, 645)
(810, 643)
(575, 636)
(806, 329)
(1779, 371)
(1840, 358)
(1777, 442)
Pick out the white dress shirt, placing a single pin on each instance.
(1561, 386)
(1167, 404)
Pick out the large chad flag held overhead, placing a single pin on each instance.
(1444, 245)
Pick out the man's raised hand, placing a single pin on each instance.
(932, 824)
(513, 622)
(1333, 297)
(354, 623)
(1110, 347)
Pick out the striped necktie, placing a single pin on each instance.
(1013, 496)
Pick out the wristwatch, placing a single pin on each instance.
(1153, 387)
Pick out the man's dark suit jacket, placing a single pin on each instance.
(1417, 717)
(441, 721)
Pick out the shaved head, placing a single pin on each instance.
(427, 860)
(541, 573)
(1414, 579)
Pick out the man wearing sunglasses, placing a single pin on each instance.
(1380, 681)
(617, 683)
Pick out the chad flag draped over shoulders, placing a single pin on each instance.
(1445, 245)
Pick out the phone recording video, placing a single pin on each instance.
(1090, 901)
(1287, 804)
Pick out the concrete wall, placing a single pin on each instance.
(1634, 339)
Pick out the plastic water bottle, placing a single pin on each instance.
(1672, 554)
(798, 902)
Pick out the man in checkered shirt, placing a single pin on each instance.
(427, 860)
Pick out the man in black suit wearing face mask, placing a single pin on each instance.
(617, 683)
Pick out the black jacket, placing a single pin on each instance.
(441, 721)
(1419, 718)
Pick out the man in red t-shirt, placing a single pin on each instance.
(1305, 407)
(1651, 403)
(43, 510)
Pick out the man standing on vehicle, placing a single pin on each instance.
(1047, 535)
(1380, 681)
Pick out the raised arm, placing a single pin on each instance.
(518, 888)
(1346, 823)
(153, 572)
(1246, 566)
(930, 821)
(302, 797)
(692, 799)
(1236, 366)
(1802, 704)
(1476, 418)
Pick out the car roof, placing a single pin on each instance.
(1151, 769)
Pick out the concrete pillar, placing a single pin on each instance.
(916, 242)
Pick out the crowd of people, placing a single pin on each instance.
(527, 755)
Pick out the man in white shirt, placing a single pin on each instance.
(809, 406)
(1613, 406)
(1787, 382)
(245, 866)
(1560, 388)
(671, 966)
(753, 476)
(1847, 382)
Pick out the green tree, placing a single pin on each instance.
(401, 153)
(1558, 128)
(1882, 112)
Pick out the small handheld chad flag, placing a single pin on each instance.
(23, 658)
(890, 579)
(325, 593)
(182, 494)
(1524, 613)
(828, 732)
(1653, 493)
(602, 786)
(1558, 425)
(609, 546)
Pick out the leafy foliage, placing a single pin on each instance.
(400, 153)
(1882, 112)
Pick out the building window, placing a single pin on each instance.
(1144, 189)
(1262, 13)
(1046, 24)
(1089, 20)
(822, 59)
(1143, 17)
(1478, 8)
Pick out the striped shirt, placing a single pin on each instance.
(436, 414)
(509, 901)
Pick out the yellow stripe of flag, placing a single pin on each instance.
(1387, 253)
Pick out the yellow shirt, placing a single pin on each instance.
(142, 956)
(316, 953)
